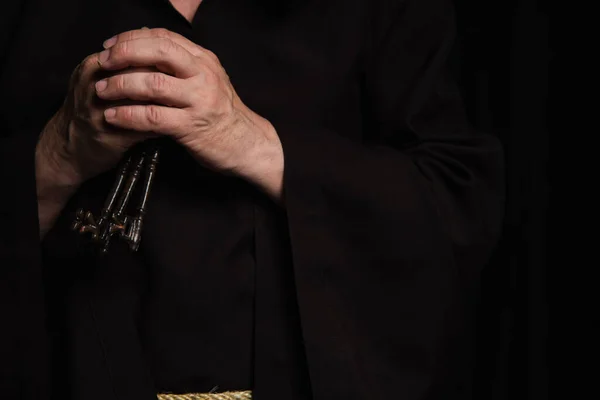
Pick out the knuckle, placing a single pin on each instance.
(119, 50)
(166, 46)
(223, 77)
(102, 137)
(88, 61)
(211, 78)
(153, 115)
(212, 56)
(161, 33)
(119, 82)
(158, 83)
(125, 36)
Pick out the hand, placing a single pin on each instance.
(77, 143)
(193, 101)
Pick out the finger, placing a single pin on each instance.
(187, 44)
(166, 55)
(146, 86)
(154, 33)
(148, 118)
(87, 68)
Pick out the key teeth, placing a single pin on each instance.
(134, 236)
(86, 223)
(89, 217)
(90, 229)
(79, 216)
(114, 228)
(113, 220)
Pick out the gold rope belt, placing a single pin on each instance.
(247, 395)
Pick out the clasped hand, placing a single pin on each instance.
(161, 84)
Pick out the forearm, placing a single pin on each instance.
(56, 182)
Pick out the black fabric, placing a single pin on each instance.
(362, 287)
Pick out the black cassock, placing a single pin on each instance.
(359, 288)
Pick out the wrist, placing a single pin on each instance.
(263, 163)
(55, 174)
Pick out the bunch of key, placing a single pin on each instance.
(113, 221)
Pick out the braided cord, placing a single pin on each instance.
(247, 395)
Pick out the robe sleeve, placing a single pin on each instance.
(23, 340)
(388, 234)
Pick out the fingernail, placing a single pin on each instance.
(109, 42)
(101, 85)
(145, 27)
(103, 57)
(109, 113)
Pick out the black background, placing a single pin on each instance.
(503, 56)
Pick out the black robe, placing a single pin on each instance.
(358, 288)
